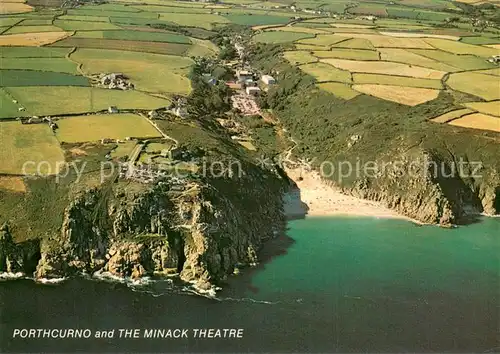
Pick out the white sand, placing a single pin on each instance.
(326, 200)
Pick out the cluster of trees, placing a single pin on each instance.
(208, 97)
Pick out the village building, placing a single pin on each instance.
(112, 109)
(234, 85)
(268, 79)
(253, 90)
(244, 75)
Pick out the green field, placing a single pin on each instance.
(61, 65)
(323, 39)
(59, 100)
(32, 29)
(480, 40)
(95, 11)
(124, 149)
(135, 36)
(466, 62)
(299, 57)
(396, 81)
(461, 48)
(323, 72)
(369, 9)
(9, 108)
(33, 143)
(96, 127)
(40, 78)
(280, 37)
(257, 20)
(33, 52)
(70, 25)
(484, 86)
(340, 90)
(134, 46)
(198, 20)
(171, 9)
(9, 21)
(417, 57)
(356, 54)
(83, 18)
(148, 72)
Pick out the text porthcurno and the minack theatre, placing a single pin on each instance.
(128, 333)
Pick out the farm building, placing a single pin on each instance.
(494, 59)
(268, 79)
(253, 90)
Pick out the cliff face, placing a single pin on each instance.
(200, 231)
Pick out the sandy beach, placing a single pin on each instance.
(326, 200)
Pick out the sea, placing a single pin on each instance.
(342, 284)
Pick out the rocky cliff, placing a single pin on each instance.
(200, 230)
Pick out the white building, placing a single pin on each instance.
(253, 90)
(268, 79)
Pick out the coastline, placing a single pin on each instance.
(324, 199)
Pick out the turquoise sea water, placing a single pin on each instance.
(336, 285)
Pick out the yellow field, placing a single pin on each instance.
(348, 31)
(381, 67)
(490, 108)
(311, 47)
(462, 48)
(420, 35)
(100, 126)
(32, 39)
(12, 184)
(340, 90)
(406, 57)
(14, 7)
(445, 118)
(355, 54)
(409, 96)
(324, 72)
(31, 146)
(298, 57)
(396, 81)
(478, 121)
(325, 40)
(495, 72)
(484, 86)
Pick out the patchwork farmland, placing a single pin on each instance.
(51, 58)
(402, 61)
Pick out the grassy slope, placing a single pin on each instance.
(387, 128)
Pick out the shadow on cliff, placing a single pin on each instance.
(236, 285)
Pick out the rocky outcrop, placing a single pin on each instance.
(199, 234)
(20, 257)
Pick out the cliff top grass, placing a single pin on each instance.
(28, 143)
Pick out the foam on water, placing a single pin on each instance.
(11, 276)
